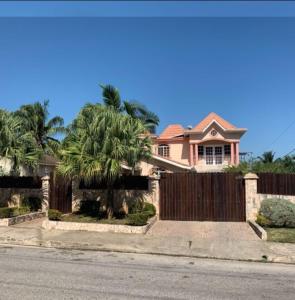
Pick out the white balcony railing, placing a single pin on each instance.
(214, 159)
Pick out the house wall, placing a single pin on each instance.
(221, 135)
(178, 150)
(6, 165)
(180, 147)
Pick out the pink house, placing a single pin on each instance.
(209, 146)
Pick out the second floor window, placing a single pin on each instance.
(200, 150)
(163, 150)
(227, 150)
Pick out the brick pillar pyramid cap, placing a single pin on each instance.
(251, 176)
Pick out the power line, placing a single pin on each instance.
(290, 152)
(282, 133)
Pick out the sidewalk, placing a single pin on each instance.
(31, 234)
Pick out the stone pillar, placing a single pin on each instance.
(46, 193)
(251, 197)
(237, 153)
(154, 190)
(232, 153)
(77, 195)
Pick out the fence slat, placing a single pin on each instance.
(20, 182)
(276, 184)
(202, 197)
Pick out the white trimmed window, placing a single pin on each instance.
(163, 150)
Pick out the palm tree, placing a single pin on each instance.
(111, 98)
(267, 157)
(287, 163)
(16, 143)
(100, 140)
(35, 120)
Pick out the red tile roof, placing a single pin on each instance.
(213, 117)
(174, 130)
(171, 131)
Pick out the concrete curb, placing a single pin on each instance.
(258, 230)
(84, 247)
(21, 218)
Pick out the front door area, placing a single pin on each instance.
(213, 155)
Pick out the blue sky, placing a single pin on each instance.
(181, 67)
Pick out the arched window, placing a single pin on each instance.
(163, 150)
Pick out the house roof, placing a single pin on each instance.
(175, 130)
(171, 131)
(48, 160)
(211, 118)
(171, 162)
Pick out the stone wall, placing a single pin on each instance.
(253, 199)
(13, 197)
(122, 198)
(96, 227)
(261, 197)
(21, 218)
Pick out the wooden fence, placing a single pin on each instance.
(122, 183)
(276, 184)
(20, 182)
(202, 197)
(60, 193)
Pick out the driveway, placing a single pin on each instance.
(205, 230)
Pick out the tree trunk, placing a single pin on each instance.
(110, 201)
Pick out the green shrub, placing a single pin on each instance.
(89, 208)
(9, 212)
(2, 204)
(6, 212)
(34, 203)
(138, 219)
(121, 214)
(263, 221)
(135, 207)
(279, 212)
(149, 209)
(54, 215)
(23, 210)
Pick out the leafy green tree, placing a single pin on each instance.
(100, 140)
(266, 164)
(16, 143)
(287, 163)
(35, 119)
(267, 157)
(111, 98)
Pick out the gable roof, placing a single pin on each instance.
(171, 131)
(210, 119)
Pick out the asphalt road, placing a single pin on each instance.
(35, 273)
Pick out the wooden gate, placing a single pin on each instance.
(60, 194)
(202, 197)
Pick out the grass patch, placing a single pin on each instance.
(80, 218)
(281, 235)
(10, 212)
